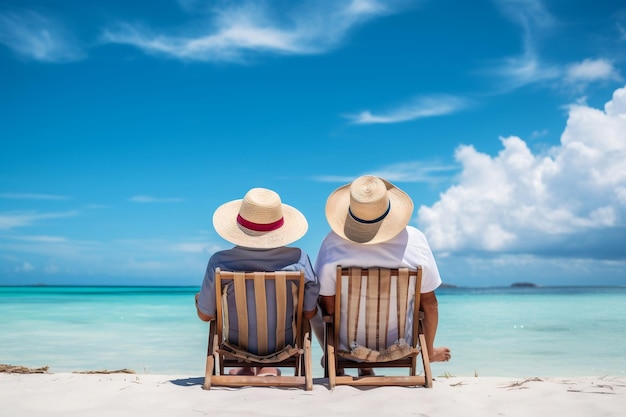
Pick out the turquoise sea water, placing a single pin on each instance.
(515, 332)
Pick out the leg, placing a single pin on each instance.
(241, 371)
(267, 371)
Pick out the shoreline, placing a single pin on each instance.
(123, 394)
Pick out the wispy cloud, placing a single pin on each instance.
(24, 267)
(233, 32)
(43, 239)
(192, 247)
(417, 172)
(13, 220)
(518, 71)
(31, 196)
(620, 24)
(418, 108)
(528, 67)
(143, 257)
(150, 199)
(531, 15)
(36, 37)
(413, 171)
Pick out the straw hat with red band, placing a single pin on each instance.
(369, 210)
(260, 220)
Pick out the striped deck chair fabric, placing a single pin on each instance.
(259, 322)
(377, 325)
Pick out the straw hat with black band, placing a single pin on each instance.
(260, 220)
(368, 210)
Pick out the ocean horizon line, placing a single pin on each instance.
(520, 286)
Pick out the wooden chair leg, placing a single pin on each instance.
(209, 370)
(332, 372)
(428, 376)
(218, 363)
(208, 373)
(327, 341)
(308, 363)
(325, 352)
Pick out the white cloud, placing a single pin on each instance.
(37, 37)
(533, 19)
(31, 196)
(591, 70)
(13, 220)
(522, 70)
(418, 108)
(24, 267)
(50, 247)
(365, 7)
(400, 172)
(531, 15)
(516, 72)
(415, 172)
(191, 247)
(620, 24)
(43, 239)
(150, 199)
(570, 201)
(149, 257)
(539, 133)
(529, 68)
(234, 32)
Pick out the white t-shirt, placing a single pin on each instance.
(408, 249)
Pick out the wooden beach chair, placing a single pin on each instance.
(369, 302)
(287, 288)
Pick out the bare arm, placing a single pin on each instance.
(428, 304)
(327, 302)
(311, 291)
(430, 307)
(310, 314)
(201, 315)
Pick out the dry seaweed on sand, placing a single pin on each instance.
(519, 384)
(106, 371)
(17, 369)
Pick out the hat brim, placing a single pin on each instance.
(225, 224)
(342, 223)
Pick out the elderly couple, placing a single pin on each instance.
(369, 220)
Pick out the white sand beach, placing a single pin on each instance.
(92, 395)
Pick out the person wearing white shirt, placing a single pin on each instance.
(369, 220)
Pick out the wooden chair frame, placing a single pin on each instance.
(360, 278)
(220, 354)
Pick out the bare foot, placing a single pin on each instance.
(241, 371)
(440, 354)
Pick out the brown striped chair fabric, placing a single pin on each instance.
(377, 325)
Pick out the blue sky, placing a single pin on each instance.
(125, 124)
